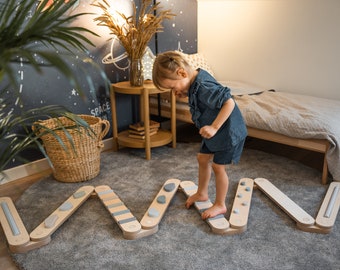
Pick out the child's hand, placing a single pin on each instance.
(208, 131)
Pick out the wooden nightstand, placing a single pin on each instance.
(162, 137)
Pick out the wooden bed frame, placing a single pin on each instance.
(316, 145)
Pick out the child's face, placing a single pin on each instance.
(179, 84)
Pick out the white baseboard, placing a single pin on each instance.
(38, 166)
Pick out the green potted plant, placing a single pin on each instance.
(39, 35)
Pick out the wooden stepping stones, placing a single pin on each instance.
(126, 221)
(240, 210)
(129, 225)
(159, 205)
(120, 213)
(61, 214)
(284, 202)
(327, 213)
(20, 241)
(12, 225)
(218, 224)
(330, 207)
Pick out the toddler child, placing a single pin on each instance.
(215, 114)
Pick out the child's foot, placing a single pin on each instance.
(195, 198)
(214, 211)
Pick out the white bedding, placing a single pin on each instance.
(298, 116)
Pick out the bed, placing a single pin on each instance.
(297, 120)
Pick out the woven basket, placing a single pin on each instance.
(82, 163)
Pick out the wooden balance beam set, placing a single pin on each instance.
(19, 241)
(239, 213)
(327, 213)
(131, 228)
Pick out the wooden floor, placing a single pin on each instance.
(15, 190)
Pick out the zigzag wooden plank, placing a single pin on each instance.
(61, 214)
(330, 207)
(284, 202)
(126, 221)
(19, 240)
(218, 224)
(12, 225)
(240, 211)
(159, 205)
(31, 245)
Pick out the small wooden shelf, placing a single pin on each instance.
(162, 137)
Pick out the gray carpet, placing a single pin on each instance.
(90, 239)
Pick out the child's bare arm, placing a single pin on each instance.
(226, 110)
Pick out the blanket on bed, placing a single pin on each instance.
(296, 116)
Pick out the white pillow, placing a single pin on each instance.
(238, 88)
(197, 60)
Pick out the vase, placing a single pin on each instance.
(136, 72)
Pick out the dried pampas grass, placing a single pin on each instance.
(137, 30)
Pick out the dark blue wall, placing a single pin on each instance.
(51, 87)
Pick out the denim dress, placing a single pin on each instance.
(206, 98)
